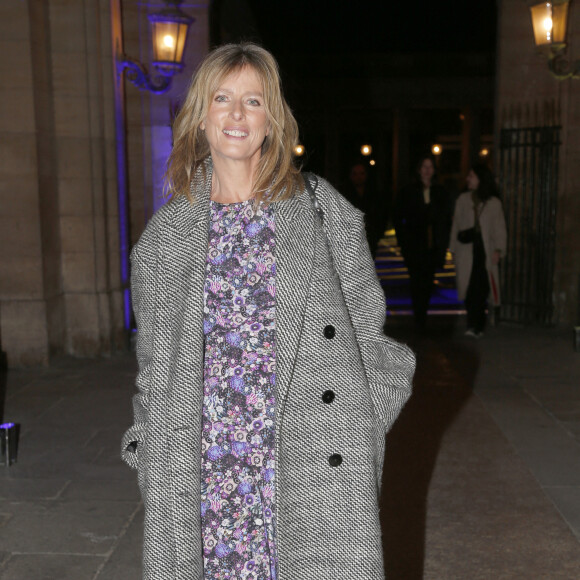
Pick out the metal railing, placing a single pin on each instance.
(528, 174)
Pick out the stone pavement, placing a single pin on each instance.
(482, 475)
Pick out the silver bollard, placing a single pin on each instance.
(9, 434)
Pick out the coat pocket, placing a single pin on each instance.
(132, 445)
(389, 367)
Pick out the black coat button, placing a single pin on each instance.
(328, 397)
(335, 460)
(329, 331)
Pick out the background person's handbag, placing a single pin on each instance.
(466, 236)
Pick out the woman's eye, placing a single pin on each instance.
(221, 98)
(254, 102)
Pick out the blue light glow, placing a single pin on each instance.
(122, 198)
(161, 145)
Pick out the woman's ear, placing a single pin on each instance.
(202, 126)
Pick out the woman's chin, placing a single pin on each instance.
(236, 154)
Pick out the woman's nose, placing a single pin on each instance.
(237, 111)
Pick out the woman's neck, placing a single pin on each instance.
(232, 181)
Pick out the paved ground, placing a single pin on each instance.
(482, 475)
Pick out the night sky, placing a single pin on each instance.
(322, 27)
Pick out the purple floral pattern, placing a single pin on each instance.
(238, 462)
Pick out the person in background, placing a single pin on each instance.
(478, 243)
(265, 383)
(422, 218)
(363, 196)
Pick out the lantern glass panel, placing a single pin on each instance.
(549, 22)
(166, 41)
(560, 19)
(181, 38)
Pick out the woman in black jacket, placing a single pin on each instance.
(422, 217)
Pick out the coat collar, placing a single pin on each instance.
(188, 216)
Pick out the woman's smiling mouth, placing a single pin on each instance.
(235, 133)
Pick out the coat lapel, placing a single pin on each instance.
(185, 274)
(294, 263)
(189, 217)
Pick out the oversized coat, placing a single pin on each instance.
(327, 516)
(493, 232)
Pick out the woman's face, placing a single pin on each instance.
(236, 123)
(426, 171)
(472, 181)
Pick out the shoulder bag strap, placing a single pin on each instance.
(309, 179)
(310, 182)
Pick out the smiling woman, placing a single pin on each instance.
(237, 90)
(265, 382)
(235, 127)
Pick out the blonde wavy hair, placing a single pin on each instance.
(276, 174)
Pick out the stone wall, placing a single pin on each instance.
(22, 304)
(523, 80)
(60, 284)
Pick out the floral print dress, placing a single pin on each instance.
(238, 463)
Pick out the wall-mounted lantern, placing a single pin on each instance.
(366, 149)
(550, 20)
(169, 29)
(299, 150)
(436, 149)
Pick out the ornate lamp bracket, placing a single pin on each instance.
(562, 68)
(139, 76)
(169, 28)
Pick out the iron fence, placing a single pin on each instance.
(528, 175)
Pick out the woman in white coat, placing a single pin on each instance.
(478, 243)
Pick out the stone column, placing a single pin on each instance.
(84, 134)
(60, 283)
(23, 317)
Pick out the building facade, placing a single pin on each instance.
(61, 284)
(83, 151)
(528, 96)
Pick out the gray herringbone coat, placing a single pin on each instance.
(327, 517)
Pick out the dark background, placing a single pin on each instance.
(348, 63)
(375, 27)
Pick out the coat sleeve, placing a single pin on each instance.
(142, 293)
(389, 365)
